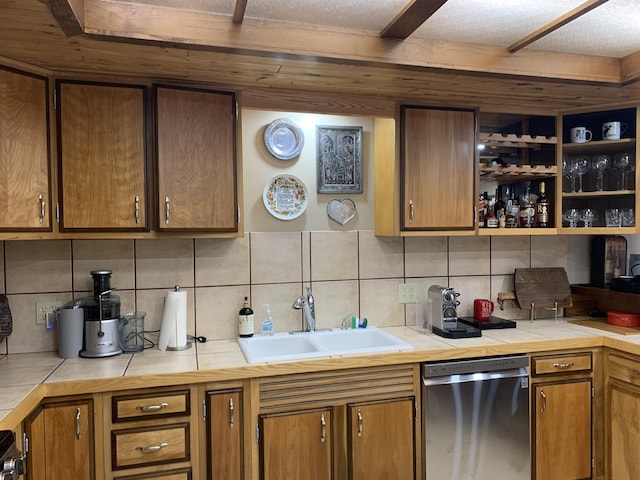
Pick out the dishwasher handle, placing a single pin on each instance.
(475, 377)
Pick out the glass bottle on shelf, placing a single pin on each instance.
(513, 210)
(542, 208)
(500, 208)
(527, 208)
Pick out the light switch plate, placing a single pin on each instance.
(407, 293)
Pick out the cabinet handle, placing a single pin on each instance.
(137, 208)
(155, 448)
(167, 211)
(543, 407)
(323, 430)
(359, 423)
(43, 205)
(232, 414)
(152, 408)
(563, 365)
(412, 211)
(78, 423)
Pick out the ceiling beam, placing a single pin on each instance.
(555, 24)
(414, 14)
(238, 11)
(69, 14)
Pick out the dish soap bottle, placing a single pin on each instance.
(245, 320)
(267, 323)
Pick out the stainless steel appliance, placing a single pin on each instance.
(476, 419)
(101, 318)
(12, 463)
(442, 314)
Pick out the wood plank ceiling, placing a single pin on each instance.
(159, 41)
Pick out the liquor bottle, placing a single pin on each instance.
(527, 208)
(500, 208)
(245, 320)
(542, 208)
(513, 210)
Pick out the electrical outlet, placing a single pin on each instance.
(407, 293)
(42, 309)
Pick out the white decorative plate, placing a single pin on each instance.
(284, 139)
(285, 197)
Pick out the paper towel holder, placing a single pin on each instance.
(187, 344)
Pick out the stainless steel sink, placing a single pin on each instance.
(329, 343)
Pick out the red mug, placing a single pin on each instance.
(482, 309)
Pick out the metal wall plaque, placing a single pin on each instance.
(339, 158)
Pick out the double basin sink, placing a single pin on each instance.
(281, 347)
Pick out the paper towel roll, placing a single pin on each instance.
(173, 330)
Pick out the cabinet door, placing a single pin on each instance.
(623, 431)
(196, 160)
(61, 442)
(381, 440)
(438, 168)
(24, 152)
(101, 141)
(296, 445)
(224, 435)
(562, 430)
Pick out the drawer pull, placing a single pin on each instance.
(155, 448)
(152, 408)
(563, 365)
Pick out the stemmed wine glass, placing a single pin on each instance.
(600, 164)
(622, 161)
(572, 216)
(579, 165)
(588, 216)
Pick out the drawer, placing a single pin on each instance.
(126, 408)
(577, 362)
(149, 446)
(179, 474)
(624, 369)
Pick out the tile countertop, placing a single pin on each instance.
(27, 378)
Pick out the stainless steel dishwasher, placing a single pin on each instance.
(476, 419)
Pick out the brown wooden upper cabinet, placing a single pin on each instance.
(196, 165)
(24, 152)
(438, 158)
(102, 156)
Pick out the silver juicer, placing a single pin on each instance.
(101, 318)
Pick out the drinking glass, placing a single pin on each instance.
(579, 165)
(588, 216)
(612, 217)
(600, 164)
(628, 217)
(622, 161)
(572, 216)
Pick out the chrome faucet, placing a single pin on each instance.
(308, 307)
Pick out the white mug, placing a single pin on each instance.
(580, 135)
(613, 130)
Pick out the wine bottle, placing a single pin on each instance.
(245, 320)
(500, 208)
(513, 210)
(542, 208)
(527, 208)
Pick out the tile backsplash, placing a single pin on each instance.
(350, 272)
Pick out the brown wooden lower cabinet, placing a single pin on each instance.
(561, 412)
(622, 418)
(224, 420)
(297, 445)
(61, 441)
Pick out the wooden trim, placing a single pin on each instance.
(555, 24)
(414, 14)
(630, 68)
(69, 14)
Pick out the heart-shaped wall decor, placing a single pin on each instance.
(341, 210)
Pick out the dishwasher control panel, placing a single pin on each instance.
(477, 365)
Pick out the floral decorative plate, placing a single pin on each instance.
(285, 197)
(284, 139)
